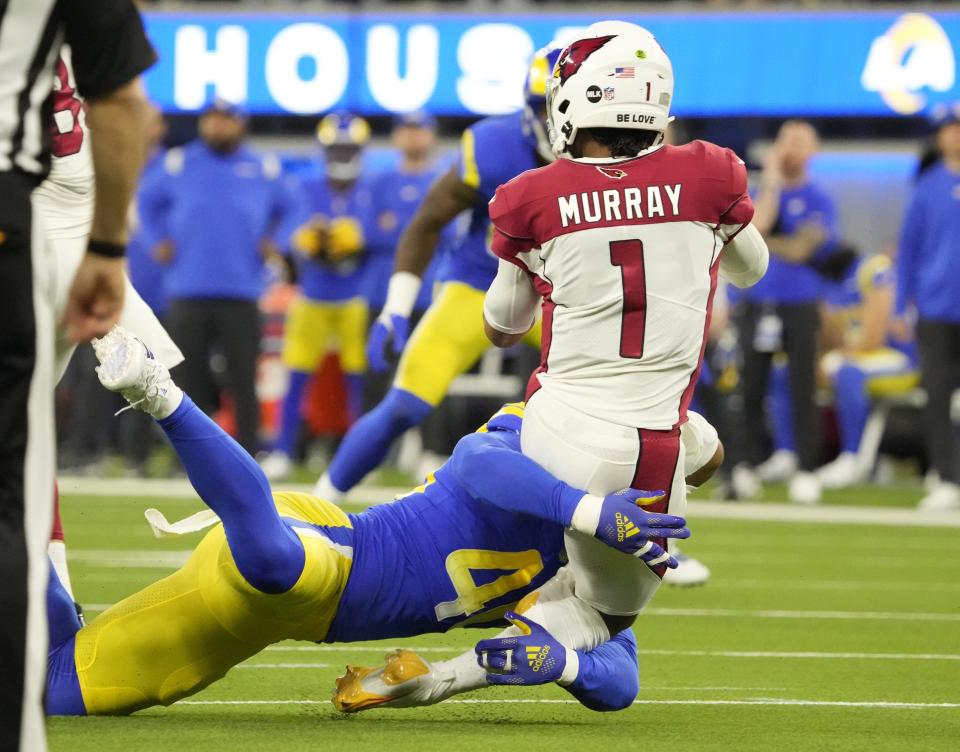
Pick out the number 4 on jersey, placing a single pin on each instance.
(628, 255)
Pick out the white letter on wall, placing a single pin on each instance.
(494, 59)
(195, 66)
(325, 86)
(391, 90)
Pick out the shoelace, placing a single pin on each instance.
(151, 391)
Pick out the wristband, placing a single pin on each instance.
(401, 294)
(105, 249)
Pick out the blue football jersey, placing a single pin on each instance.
(492, 152)
(319, 279)
(439, 558)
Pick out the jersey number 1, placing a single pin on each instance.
(628, 255)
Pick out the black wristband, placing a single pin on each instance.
(108, 250)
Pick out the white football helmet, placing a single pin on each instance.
(613, 75)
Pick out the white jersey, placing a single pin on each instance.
(67, 193)
(625, 255)
(64, 203)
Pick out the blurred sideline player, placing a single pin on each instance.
(65, 202)
(399, 192)
(865, 362)
(291, 566)
(330, 254)
(622, 239)
(449, 339)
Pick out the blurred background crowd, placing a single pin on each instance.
(265, 241)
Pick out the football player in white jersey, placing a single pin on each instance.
(64, 205)
(622, 239)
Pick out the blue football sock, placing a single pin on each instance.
(62, 620)
(781, 415)
(290, 413)
(852, 405)
(268, 554)
(354, 396)
(367, 442)
(63, 696)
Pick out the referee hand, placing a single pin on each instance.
(96, 297)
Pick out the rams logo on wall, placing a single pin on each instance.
(914, 54)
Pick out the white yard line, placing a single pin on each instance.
(774, 512)
(761, 701)
(752, 614)
(812, 655)
(784, 614)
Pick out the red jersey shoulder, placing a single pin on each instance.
(711, 160)
(507, 207)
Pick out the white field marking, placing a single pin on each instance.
(773, 512)
(784, 614)
(816, 585)
(716, 612)
(816, 655)
(122, 559)
(527, 701)
(283, 665)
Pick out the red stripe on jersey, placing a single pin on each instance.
(57, 533)
(628, 255)
(656, 465)
(687, 396)
(546, 332)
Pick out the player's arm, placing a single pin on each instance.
(510, 306)
(702, 449)
(911, 237)
(604, 679)
(875, 313)
(490, 467)
(449, 195)
(745, 258)
(109, 52)
(799, 247)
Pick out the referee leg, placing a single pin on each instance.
(26, 464)
(939, 359)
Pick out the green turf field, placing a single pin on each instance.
(810, 636)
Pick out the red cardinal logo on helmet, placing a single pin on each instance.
(576, 55)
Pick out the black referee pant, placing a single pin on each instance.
(231, 327)
(799, 342)
(26, 463)
(939, 345)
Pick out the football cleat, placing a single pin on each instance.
(804, 488)
(945, 497)
(127, 366)
(405, 681)
(689, 571)
(778, 467)
(277, 465)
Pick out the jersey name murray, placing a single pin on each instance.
(618, 204)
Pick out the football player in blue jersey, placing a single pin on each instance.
(449, 338)
(329, 249)
(292, 566)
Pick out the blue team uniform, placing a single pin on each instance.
(294, 566)
(146, 273)
(396, 198)
(927, 270)
(792, 283)
(449, 338)
(335, 282)
(493, 152)
(216, 209)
